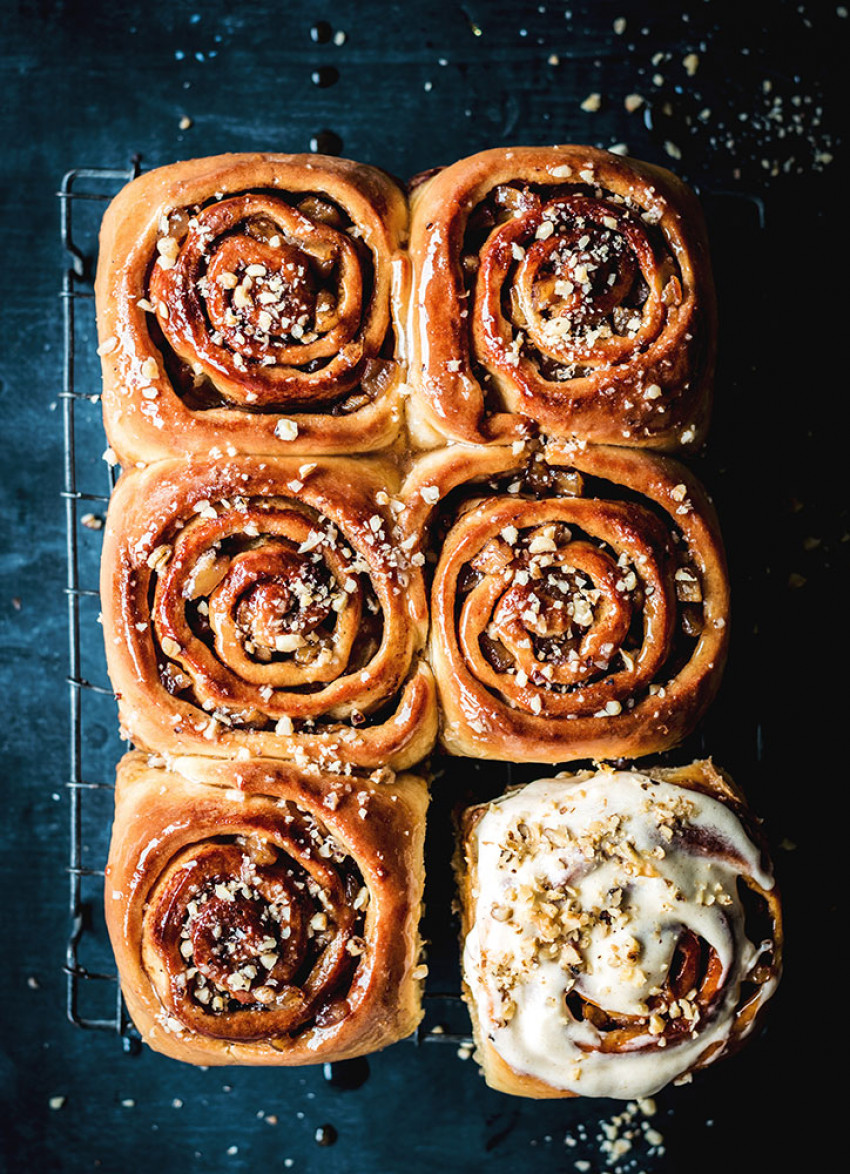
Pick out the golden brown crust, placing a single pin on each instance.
(189, 369)
(701, 775)
(169, 822)
(577, 650)
(511, 326)
(260, 607)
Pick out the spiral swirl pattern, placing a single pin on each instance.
(573, 271)
(278, 614)
(256, 935)
(268, 301)
(579, 603)
(564, 288)
(262, 914)
(247, 302)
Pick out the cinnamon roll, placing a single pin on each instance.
(621, 929)
(264, 915)
(246, 304)
(580, 602)
(563, 287)
(260, 607)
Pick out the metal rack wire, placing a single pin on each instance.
(93, 996)
(77, 294)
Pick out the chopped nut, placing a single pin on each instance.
(288, 642)
(170, 646)
(169, 250)
(159, 557)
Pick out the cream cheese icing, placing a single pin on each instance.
(584, 887)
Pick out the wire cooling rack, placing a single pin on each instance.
(93, 996)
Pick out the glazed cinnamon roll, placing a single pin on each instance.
(579, 604)
(245, 304)
(563, 287)
(264, 915)
(259, 606)
(621, 929)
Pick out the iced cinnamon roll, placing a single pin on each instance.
(265, 915)
(621, 929)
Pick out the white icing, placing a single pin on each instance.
(582, 840)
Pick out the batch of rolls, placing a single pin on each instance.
(394, 478)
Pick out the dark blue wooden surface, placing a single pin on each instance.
(92, 83)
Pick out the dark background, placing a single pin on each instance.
(413, 86)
